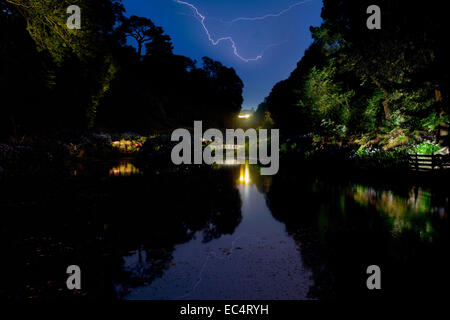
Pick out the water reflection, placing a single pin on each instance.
(342, 228)
(208, 233)
(124, 169)
(244, 175)
(259, 260)
(411, 212)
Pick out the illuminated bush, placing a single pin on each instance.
(426, 147)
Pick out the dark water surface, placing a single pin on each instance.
(258, 260)
(308, 239)
(221, 232)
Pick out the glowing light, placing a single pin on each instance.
(271, 15)
(247, 175)
(201, 18)
(244, 176)
(244, 116)
(124, 169)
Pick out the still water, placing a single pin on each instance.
(259, 260)
(222, 232)
(301, 239)
(124, 168)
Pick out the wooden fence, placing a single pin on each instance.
(427, 162)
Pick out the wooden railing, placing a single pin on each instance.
(427, 162)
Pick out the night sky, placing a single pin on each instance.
(280, 40)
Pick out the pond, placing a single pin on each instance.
(221, 232)
(309, 239)
(259, 260)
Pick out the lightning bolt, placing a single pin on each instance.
(270, 15)
(201, 18)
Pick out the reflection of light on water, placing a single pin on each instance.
(124, 169)
(406, 213)
(244, 176)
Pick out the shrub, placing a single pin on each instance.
(379, 158)
(425, 147)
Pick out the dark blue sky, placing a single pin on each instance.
(281, 40)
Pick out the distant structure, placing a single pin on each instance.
(245, 114)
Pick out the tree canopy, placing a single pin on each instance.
(56, 78)
(354, 82)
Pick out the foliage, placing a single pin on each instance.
(326, 99)
(425, 147)
(58, 79)
(379, 158)
(46, 24)
(268, 122)
(145, 32)
(290, 116)
(129, 146)
(373, 114)
(352, 82)
(70, 69)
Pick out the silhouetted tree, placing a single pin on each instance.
(140, 29)
(160, 43)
